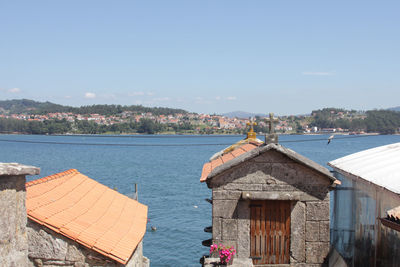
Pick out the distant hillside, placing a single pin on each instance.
(17, 106)
(242, 114)
(395, 108)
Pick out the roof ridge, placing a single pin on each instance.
(51, 177)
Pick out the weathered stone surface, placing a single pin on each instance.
(224, 208)
(13, 240)
(8, 169)
(278, 195)
(298, 219)
(243, 249)
(216, 228)
(229, 229)
(318, 211)
(316, 252)
(256, 177)
(74, 253)
(44, 245)
(312, 231)
(247, 187)
(226, 195)
(324, 231)
(137, 259)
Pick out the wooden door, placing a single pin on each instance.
(270, 231)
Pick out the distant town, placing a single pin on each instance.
(33, 118)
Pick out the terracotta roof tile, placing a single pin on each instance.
(88, 212)
(239, 150)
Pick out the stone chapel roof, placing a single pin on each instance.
(249, 151)
(87, 212)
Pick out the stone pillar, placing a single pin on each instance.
(13, 219)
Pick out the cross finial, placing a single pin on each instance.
(251, 134)
(271, 137)
(271, 121)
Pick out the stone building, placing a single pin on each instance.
(72, 221)
(270, 203)
(13, 234)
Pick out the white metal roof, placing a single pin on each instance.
(380, 165)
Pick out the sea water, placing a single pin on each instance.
(167, 170)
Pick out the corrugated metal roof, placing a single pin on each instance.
(87, 212)
(380, 165)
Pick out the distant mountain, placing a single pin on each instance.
(395, 108)
(17, 106)
(242, 114)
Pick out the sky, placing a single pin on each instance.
(204, 56)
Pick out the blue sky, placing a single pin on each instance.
(287, 57)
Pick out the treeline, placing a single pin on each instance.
(18, 106)
(144, 126)
(379, 121)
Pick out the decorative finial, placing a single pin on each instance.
(251, 134)
(272, 137)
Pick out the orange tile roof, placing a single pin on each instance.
(239, 150)
(87, 212)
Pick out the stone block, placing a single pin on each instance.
(243, 187)
(216, 228)
(243, 249)
(224, 208)
(297, 227)
(74, 253)
(256, 177)
(44, 245)
(312, 231)
(324, 231)
(318, 211)
(229, 229)
(13, 219)
(226, 195)
(317, 252)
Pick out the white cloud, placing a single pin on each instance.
(89, 95)
(318, 73)
(68, 97)
(150, 93)
(217, 98)
(14, 90)
(231, 98)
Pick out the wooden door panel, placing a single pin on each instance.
(270, 232)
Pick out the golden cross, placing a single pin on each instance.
(271, 121)
(251, 133)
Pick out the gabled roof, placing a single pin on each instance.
(379, 165)
(87, 212)
(213, 168)
(231, 153)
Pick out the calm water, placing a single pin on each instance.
(167, 177)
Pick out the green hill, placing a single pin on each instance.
(18, 106)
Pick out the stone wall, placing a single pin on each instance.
(13, 238)
(273, 176)
(48, 248)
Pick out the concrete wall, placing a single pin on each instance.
(273, 176)
(13, 238)
(48, 248)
